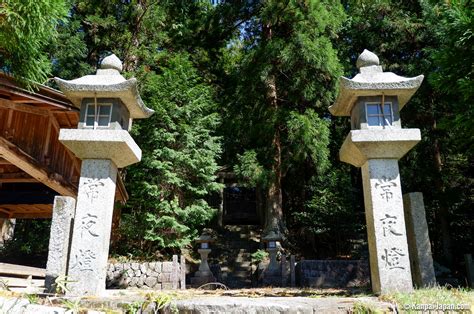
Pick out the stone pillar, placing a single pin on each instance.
(59, 239)
(419, 246)
(389, 259)
(92, 226)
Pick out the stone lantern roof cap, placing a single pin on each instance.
(205, 238)
(106, 83)
(272, 236)
(372, 81)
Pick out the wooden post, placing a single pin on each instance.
(283, 270)
(183, 272)
(292, 270)
(469, 269)
(174, 273)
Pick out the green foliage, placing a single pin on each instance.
(432, 296)
(26, 243)
(259, 256)
(453, 77)
(26, 29)
(180, 151)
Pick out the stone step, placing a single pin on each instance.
(243, 264)
(240, 274)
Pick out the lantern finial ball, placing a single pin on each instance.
(111, 62)
(367, 58)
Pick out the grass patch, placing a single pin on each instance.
(434, 299)
(361, 307)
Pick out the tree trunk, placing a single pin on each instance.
(443, 210)
(130, 60)
(274, 203)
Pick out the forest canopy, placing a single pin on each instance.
(245, 86)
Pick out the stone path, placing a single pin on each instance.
(199, 302)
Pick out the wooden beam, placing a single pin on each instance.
(5, 103)
(3, 161)
(31, 166)
(41, 215)
(5, 211)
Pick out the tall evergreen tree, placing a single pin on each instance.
(177, 172)
(169, 186)
(284, 81)
(26, 29)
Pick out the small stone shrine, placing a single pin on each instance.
(373, 99)
(108, 104)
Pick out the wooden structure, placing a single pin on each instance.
(21, 278)
(34, 165)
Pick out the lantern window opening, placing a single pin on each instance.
(98, 114)
(378, 115)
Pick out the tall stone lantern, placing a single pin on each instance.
(373, 99)
(108, 104)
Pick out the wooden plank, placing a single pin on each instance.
(21, 282)
(20, 270)
(28, 164)
(23, 108)
(16, 177)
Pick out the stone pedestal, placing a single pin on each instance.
(59, 239)
(389, 259)
(418, 240)
(92, 226)
(273, 266)
(204, 274)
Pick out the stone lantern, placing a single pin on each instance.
(108, 104)
(272, 243)
(373, 99)
(204, 274)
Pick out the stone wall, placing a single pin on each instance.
(332, 273)
(153, 275)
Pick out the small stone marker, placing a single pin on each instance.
(175, 272)
(182, 272)
(59, 240)
(469, 269)
(373, 99)
(292, 270)
(418, 237)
